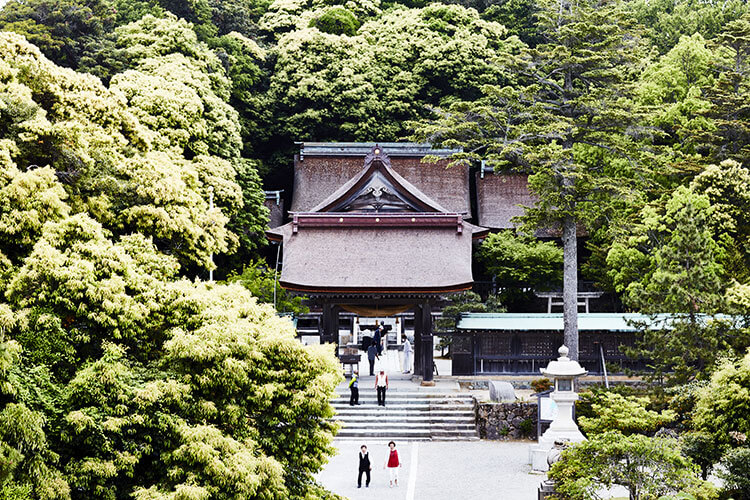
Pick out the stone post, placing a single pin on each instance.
(563, 428)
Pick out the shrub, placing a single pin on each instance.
(527, 427)
(647, 467)
(625, 414)
(735, 473)
(701, 448)
(541, 384)
(337, 21)
(682, 402)
(723, 406)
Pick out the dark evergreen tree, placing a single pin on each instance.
(565, 121)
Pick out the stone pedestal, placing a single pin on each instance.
(562, 428)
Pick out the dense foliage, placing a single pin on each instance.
(123, 122)
(120, 376)
(627, 415)
(646, 467)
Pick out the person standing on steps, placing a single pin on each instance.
(393, 464)
(407, 354)
(372, 354)
(381, 385)
(364, 466)
(354, 388)
(376, 340)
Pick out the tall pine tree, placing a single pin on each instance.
(565, 121)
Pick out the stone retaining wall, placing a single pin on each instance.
(505, 421)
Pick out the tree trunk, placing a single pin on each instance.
(570, 286)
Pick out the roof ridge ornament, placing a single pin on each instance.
(377, 153)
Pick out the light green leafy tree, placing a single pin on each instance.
(627, 415)
(127, 176)
(205, 367)
(262, 281)
(648, 467)
(672, 89)
(727, 187)
(667, 21)
(517, 261)
(27, 462)
(331, 86)
(723, 406)
(672, 264)
(64, 30)
(730, 95)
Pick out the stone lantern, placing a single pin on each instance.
(564, 371)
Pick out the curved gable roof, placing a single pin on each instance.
(378, 163)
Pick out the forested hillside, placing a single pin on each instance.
(123, 122)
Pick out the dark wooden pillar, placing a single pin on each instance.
(417, 339)
(335, 326)
(326, 323)
(427, 344)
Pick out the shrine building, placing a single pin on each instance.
(375, 235)
(364, 238)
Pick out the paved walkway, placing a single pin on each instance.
(437, 471)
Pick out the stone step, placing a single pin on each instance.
(408, 415)
(369, 433)
(381, 412)
(410, 403)
(407, 397)
(424, 432)
(378, 411)
(385, 419)
(395, 397)
(420, 394)
(448, 429)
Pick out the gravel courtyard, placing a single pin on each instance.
(437, 471)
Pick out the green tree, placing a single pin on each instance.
(564, 121)
(723, 406)
(517, 261)
(666, 21)
(261, 281)
(671, 264)
(735, 473)
(27, 462)
(519, 16)
(671, 89)
(727, 187)
(63, 30)
(336, 21)
(467, 302)
(144, 384)
(730, 93)
(627, 415)
(701, 448)
(647, 467)
(326, 86)
(142, 154)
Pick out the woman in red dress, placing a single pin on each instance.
(393, 464)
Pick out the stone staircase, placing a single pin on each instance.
(414, 416)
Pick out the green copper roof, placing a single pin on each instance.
(616, 322)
